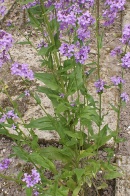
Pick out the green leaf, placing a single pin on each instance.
(102, 186)
(20, 175)
(54, 25)
(26, 1)
(86, 153)
(93, 63)
(67, 174)
(48, 79)
(45, 50)
(24, 42)
(75, 80)
(114, 108)
(42, 161)
(79, 173)
(89, 113)
(76, 191)
(4, 132)
(44, 123)
(57, 40)
(29, 191)
(112, 175)
(71, 184)
(37, 98)
(20, 153)
(77, 135)
(90, 99)
(33, 20)
(79, 76)
(54, 153)
(61, 108)
(51, 94)
(100, 41)
(63, 191)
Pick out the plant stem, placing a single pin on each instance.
(98, 56)
(11, 179)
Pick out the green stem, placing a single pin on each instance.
(98, 56)
(11, 179)
(49, 30)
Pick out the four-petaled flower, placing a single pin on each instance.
(125, 97)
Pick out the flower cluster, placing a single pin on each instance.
(22, 70)
(126, 35)
(31, 179)
(99, 86)
(126, 60)
(8, 115)
(112, 8)
(117, 80)
(5, 164)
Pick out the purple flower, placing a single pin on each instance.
(9, 24)
(86, 73)
(26, 92)
(4, 58)
(125, 97)
(61, 95)
(22, 70)
(67, 50)
(126, 60)
(31, 179)
(2, 10)
(3, 118)
(42, 44)
(5, 164)
(83, 34)
(13, 126)
(116, 51)
(126, 35)
(8, 115)
(117, 80)
(73, 104)
(112, 8)
(82, 55)
(85, 20)
(99, 85)
(89, 3)
(11, 114)
(6, 40)
(116, 4)
(66, 18)
(29, 5)
(36, 193)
